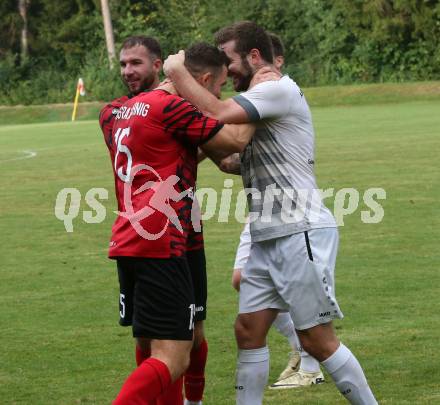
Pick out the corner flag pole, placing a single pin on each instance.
(80, 91)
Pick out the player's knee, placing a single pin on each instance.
(177, 361)
(246, 337)
(199, 334)
(177, 365)
(319, 352)
(318, 345)
(241, 332)
(185, 362)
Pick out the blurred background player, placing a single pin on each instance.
(302, 369)
(140, 62)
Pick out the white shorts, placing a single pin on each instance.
(294, 273)
(244, 247)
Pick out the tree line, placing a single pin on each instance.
(45, 45)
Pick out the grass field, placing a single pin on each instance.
(60, 341)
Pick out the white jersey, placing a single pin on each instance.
(278, 164)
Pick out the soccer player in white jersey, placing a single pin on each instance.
(294, 236)
(302, 369)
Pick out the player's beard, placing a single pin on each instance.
(243, 80)
(147, 84)
(144, 85)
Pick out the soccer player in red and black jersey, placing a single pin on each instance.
(140, 61)
(155, 138)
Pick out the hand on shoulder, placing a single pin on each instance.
(168, 86)
(265, 74)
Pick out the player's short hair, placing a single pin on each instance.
(202, 57)
(247, 36)
(277, 44)
(151, 44)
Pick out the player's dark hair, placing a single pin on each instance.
(247, 36)
(277, 44)
(150, 43)
(202, 57)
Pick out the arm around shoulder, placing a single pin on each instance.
(230, 112)
(227, 111)
(230, 139)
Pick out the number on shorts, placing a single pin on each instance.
(192, 309)
(121, 305)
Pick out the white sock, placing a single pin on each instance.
(308, 363)
(348, 376)
(192, 402)
(283, 324)
(252, 376)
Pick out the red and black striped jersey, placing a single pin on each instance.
(153, 145)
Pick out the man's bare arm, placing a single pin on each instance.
(224, 110)
(230, 139)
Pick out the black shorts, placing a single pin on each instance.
(156, 297)
(197, 266)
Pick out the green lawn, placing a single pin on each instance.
(60, 341)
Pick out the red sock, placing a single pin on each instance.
(195, 375)
(173, 395)
(141, 355)
(144, 384)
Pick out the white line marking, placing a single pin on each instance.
(28, 154)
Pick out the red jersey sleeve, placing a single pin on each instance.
(187, 123)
